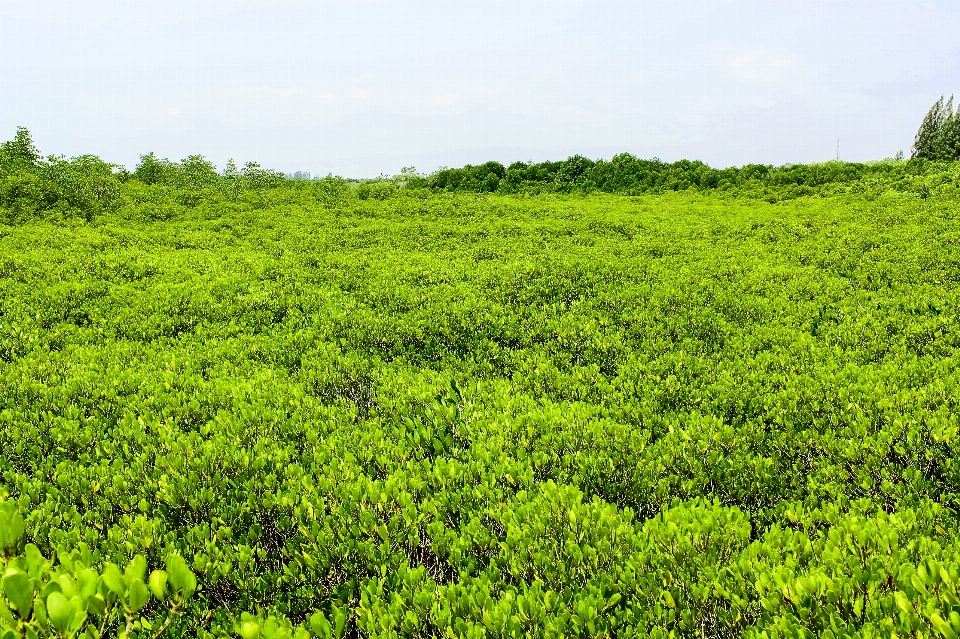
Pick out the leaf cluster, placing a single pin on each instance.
(69, 597)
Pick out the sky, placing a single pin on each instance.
(360, 88)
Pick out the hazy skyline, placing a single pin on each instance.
(358, 88)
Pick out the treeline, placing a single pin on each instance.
(196, 172)
(937, 141)
(32, 185)
(629, 175)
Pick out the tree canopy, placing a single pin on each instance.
(939, 135)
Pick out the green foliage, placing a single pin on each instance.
(196, 173)
(950, 137)
(628, 175)
(938, 138)
(483, 178)
(160, 189)
(70, 597)
(33, 187)
(315, 408)
(20, 153)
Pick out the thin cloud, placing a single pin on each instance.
(760, 65)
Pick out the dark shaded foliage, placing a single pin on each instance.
(629, 175)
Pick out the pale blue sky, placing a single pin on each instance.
(363, 87)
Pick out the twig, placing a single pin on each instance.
(166, 623)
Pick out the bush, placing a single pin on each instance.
(85, 186)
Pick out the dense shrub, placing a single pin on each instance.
(434, 414)
(31, 186)
(388, 409)
(628, 175)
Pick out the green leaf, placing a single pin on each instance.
(113, 579)
(917, 583)
(942, 626)
(902, 602)
(137, 595)
(158, 584)
(6, 617)
(613, 601)
(89, 581)
(271, 629)
(36, 562)
(182, 578)
(11, 525)
(60, 611)
(339, 621)
(40, 611)
(320, 625)
(249, 629)
(136, 569)
(79, 619)
(18, 588)
(97, 605)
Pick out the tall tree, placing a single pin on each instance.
(934, 140)
(943, 152)
(926, 141)
(950, 137)
(20, 152)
